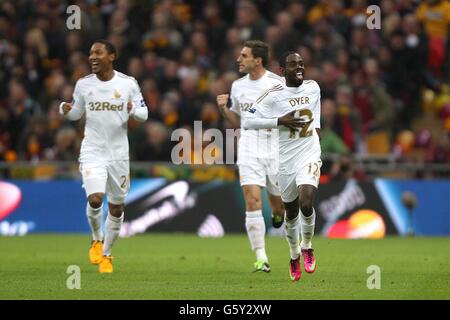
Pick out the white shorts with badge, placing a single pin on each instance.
(308, 174)
(258, 174)
(112, 178)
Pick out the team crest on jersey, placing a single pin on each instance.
(117, 94)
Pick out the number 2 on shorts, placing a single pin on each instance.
(123, 179)
(314, 171)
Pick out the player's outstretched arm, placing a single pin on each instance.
(288, 120)
(259, 123)
(229, 115)
(69, 111)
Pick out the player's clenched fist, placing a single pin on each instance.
(222, 101)
(66, 107)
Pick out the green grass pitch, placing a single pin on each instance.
(181, 266)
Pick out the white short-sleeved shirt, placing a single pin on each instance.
(244, 92)
(297, 147)
(105, 104)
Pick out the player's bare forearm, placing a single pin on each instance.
(222, 101)
(233, 118)
(319, 134)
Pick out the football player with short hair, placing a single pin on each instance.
(300, 152)
(108, 98)
(254, 159)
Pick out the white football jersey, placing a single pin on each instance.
(105, 105)
(244, 92)
(297, 147)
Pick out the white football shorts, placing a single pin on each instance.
(112, 178)
(259, 174)
(308, 174)
(258, 161)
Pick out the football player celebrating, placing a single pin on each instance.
(254, 159)
(108, 98)
(299, 168)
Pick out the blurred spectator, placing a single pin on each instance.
(291, 38)
(382, 105)
(227, 60)
(332, 41)
(168, 112)
(135, 68)
(5, 136)
(403, 75)
(190, 100)
(163, 38)
(74, 42)
(435, 17)
(330, 140)
(337, 161)
(35, 140)
(216, 28)
(188, 67)
(329, 79)
(157, 146)
(35, 41)
(375, 107)
(151, 93)
(210, 115)
(54, 119)
(55, 82)
(169, 78)
(320, 11)
(346, 121)
(439, 151)
(67, 145)
(123, 54)
(297, 10)
(248, 19)
(359, 49)
(32, 73)
(339, 20)
(21, 108)
(274, 38)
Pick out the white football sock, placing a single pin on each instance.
(256, 231)
(112, 229)
(292, 236)
(308, 224)
(95, 221)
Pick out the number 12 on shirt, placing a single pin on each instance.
(303, 132)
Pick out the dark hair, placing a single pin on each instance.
(282, 60)
(108, 45)
(259, 50)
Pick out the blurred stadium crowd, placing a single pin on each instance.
(383, 91)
